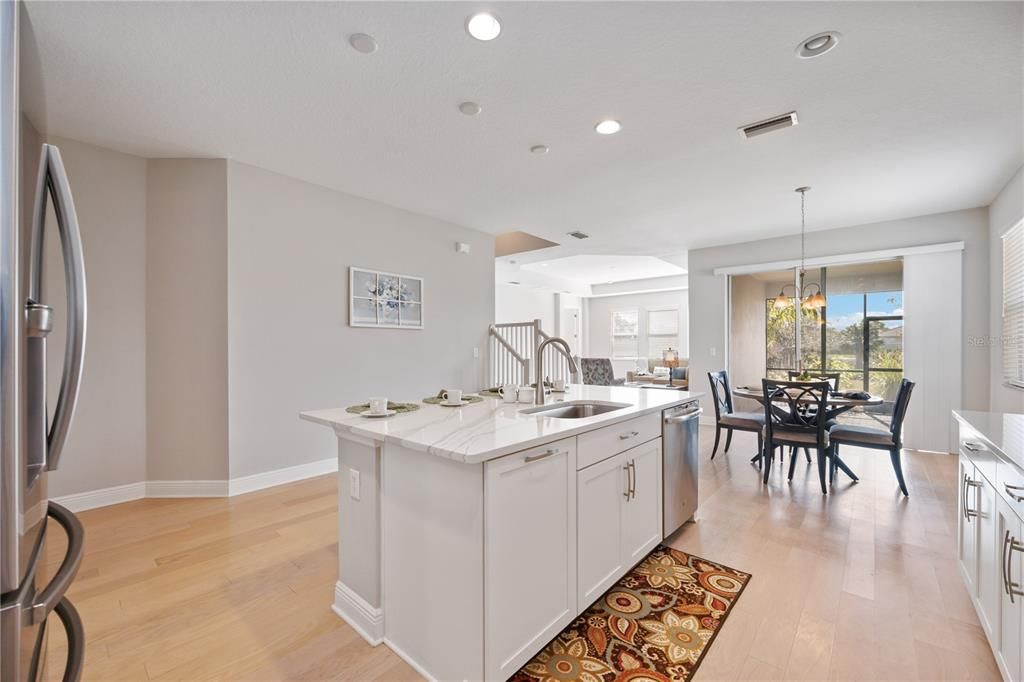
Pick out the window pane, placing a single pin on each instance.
(625, 322)
(663, 322)
(885, 384)
(624, 347)
(657, 344)
(780, 336)
(885, 344)
(885, 303)
(844, 333)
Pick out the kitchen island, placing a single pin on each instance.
(990, 529)
(469, 537)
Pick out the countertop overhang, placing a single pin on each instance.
(491, 428)
(1003, 433)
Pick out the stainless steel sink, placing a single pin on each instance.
(577, 409)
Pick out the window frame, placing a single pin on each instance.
(1012, 321)
(635, 336)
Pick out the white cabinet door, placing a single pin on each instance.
(989, 578)
(968, 527)
(530, 553)
(601, 491)
(1010, 624)
(641, 512)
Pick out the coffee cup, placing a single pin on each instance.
(558, 385)
(452, 396)
(509, 393)
(378, 405)
(526, 394)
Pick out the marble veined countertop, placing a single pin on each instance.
(1002, 432)
(489, 429)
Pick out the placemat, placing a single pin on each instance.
(400, 408)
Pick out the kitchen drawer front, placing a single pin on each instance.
(983, 459)
(600, 444)
(1010, 486)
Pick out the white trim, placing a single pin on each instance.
(638, 291)
(367, 620)
(91, 499)
(186, 488)
(841, 259)
(410, 660)
(103, 497)
(268, 479)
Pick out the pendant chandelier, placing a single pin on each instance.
(809, 294)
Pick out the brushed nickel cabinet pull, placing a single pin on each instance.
(629, 482)
(969, 483)
(536, 458)
(632, 479)
(627, 436)
(1012, 588)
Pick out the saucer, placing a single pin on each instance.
(379, 414)
(458, 404)
(555, 390)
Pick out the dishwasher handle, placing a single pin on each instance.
(685, 417)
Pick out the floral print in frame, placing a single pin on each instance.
(385, 300)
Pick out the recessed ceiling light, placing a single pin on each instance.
(818, 44)
(608, 127)
(470, 108)
(483, 26)
(361, 42)
(539, 149)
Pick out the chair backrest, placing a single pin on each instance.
(787, 407)
(833, 377)
(721, 392)
(899, 410)
(597, 371)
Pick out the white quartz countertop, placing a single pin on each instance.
(1002, 432)
(489, 429)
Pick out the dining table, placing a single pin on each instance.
(836, 404)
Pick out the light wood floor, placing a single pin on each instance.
(861, 584)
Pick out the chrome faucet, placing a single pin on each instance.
(538, 360)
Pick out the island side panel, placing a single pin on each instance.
(433, 515)
(358, 592)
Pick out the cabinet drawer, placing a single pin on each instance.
(983, 459)
(1010, 486)
(600, 444)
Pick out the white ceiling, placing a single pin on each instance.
(591, 269)
(918, 110)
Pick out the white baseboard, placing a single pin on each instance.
(267, 479)
(410, 660)
(238, 486)
(367, 620)
(103, 497)
(186, 488)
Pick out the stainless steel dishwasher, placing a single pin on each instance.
(679, 451)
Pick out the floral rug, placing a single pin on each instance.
(655, 624)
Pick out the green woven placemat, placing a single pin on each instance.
(435, 400)
(397, 407)
(490, 393)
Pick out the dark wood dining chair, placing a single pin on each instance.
(796, 416)
(833, 380)
(728, 419)
(878, 439)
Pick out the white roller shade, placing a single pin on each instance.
(1013, 306)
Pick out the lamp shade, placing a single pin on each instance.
(781, 301)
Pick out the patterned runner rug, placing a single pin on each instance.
(656, 623)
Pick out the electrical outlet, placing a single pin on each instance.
(353, 484)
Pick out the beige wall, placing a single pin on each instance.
(1005, 212)
(707, 290)
(186, 325)
(290, 347)
(107, 443)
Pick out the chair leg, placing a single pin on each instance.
(821, 471)
(807, 454)
(718, 435)
(792, 466)
(897, 466)
(760, 449)
(728, 440)
(833, 464)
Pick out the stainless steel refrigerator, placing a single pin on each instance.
(34, 427)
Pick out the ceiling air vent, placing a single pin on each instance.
(768, 125)
(579, 235)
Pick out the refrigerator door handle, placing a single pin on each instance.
(68, 615)
(53, 181)
(48, 599)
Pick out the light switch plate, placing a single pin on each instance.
(353, 484)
